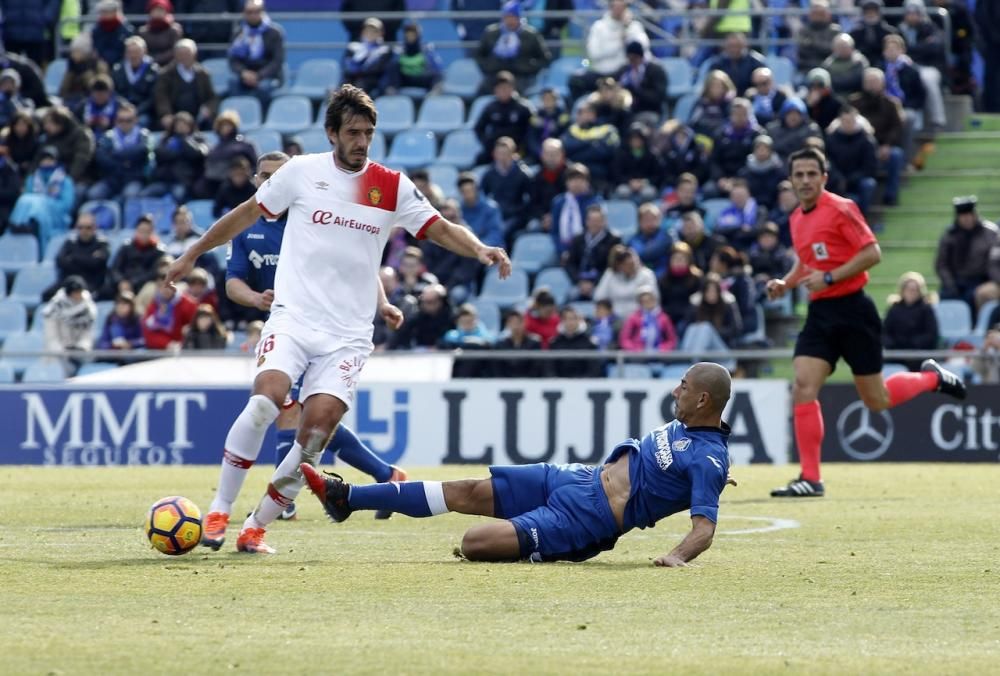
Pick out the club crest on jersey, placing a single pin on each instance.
(260, 360)
(820, 251)
(375, 196)
(680, 445)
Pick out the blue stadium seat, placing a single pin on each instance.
(328, 34)
(31, 282)
(533, 251)
(6, 374)
(377, 149)
(44, 371)
(54, 74)
(713, 209)
(412, 149)
(104, 310)
(441, 114)
(395, 114)
(266, 140)
(289, 114)
(218, 71)
(555, 279)
(505, 292)
(462, 78)
(445, 176)
(161, 208)
(13, 318)
(107, 213)
(17, 252)
(3, 286)
(782, 70)
(489, 314)
(248, 108)
(630, 371)
(559, 71)
(55, 243)
(891, 368)
(954, 319)
(21, 342)
(314, 141)
(586, 308)
(459, 149)
(316, 77)
(623, 218)
(983, 320)
(210, 137)
(476, 110)
(438, 32)
(674, 372)
(682, 109)
(93, 367)
(680, 76)
(115, 241)
(201, 212)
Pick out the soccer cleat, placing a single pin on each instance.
(948, 382)
(251, 541)
(799, 488)
(398, 475)
(290, 513)
(214, 532)
(331, 490)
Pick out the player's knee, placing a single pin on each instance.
(475, 547)
(261, 411)
(314, 438)
(804, 391)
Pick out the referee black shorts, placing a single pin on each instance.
(847, 326)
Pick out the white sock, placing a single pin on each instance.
(434, 492)
(242, 448)
(286, 482)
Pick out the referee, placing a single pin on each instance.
(835, 248)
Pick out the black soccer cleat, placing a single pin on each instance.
(948, 382)
(331, 490)
(799, 488)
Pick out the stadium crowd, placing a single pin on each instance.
(636, 213)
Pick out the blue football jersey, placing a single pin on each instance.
(253, 256)
(674, 468)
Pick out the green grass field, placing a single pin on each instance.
(896, 571)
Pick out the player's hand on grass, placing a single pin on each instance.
(179, 269)
(391, 315)
(494, 255)
(776, 288)
(669, 561)
(264, 300)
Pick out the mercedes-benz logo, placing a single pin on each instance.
(864, 435)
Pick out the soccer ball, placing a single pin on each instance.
(173, 525)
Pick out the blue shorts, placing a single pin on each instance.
(292, 397)
(560, 512)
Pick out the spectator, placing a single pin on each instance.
(236, 189)
(787, 201)
(988, 365)
(961, 37)
(681, 152)
(711, 110)
(45, 207)
(231, 146)
(134, 78)
(606, 43)
(766, 98)
(180, 160)
(732, 146)
(717, 308)
(591, 144)
(910, 322)
(869, 34)
(20, 139)
(549, 122)
(209, 32)
(199, 289)
(852, 153)
(516, 337)
(508, 183)
(681, 200)
(206, 332)
(763, 172)
(85, 256)
(636, 170)
(739, 221)
(122, 329)
(964, 264)
(587, 256)
(649, 328)
(542, 317)
(99, 109)
(431, 322)
(469, 332)
(184, 232)
(10, 186)
(382, 334)
(885, 114)
(988, 39)
(824, 105)
(646, 80)
(367, 62)
(513, 46)
(702, 244)
(69, 319)
(612, 104)
(458, 274)
(166, 317)
(135, 262)
(903, 81)
(416, 64)
(925, 45)
(28, 28)
(124, 157)
(738, 61)
(548, 182)
(652, 242)
(160, 33)
(815, 39)
(11, 100)
(355, 27)
(845, 65)
(606, 326)
(569, 208)
(413, 276)
(622, 280)
(144, 296)
(769, 258)
(81, 69)
(734, 272)
(681, 280)
(186, 86)
(110, 32)
(432, 191)
(792, 128)
(573, 335)
(257, 54)
(506, 115)
(481, 213)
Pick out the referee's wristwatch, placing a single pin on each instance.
(828, 279)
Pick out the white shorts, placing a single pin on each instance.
(330, 364)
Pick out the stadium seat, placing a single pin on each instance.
(412, 149)
(533, 251)
(21, 342)
(3, 286)
(713, 209)
(52, 248)
(444, 176)
(54, 74)
(289, 114)
(459, 149)
(314, 141)
(107, 213)
(161, 209)
(266, 140)
(31, 282)
(505, 292)
(104, 310)
(438, 32)
(680, 76)
(674, 372)
(6, 374)
(210, 137)
(218, 71)
(489, 314)
(623, 218)
(315, 78)
(954, 319)
(13, 318)
(377, 150)
(559, 71)
(983, 320)
(584, 307)
(326, 37)
(17, 252)
(682, 109)
(115, 241)
(555, 279)
(93, 367)
(630, 371)
(44, 371)
(441, 114)
(201, 212)
(395, 114)
(782, 70)
(476, 110)
(462, 77)
(890, 368)
(248, 108)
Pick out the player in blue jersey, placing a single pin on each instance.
(574, 512)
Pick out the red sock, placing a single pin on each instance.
(809, 437)
(905, 386)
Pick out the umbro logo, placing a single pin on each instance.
(322, 185)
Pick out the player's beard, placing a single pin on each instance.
(349, 162)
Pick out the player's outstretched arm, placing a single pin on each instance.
(693, 544)
(464, 242)
(223, 230)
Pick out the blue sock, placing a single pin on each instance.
(285, 439)
(357, 455)
(412, 498)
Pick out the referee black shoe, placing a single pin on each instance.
(948, 382)
(799, 488)
(331, 490)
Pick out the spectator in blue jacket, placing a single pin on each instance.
(46, 204)
(367, 62)
(257, 54)
(123, 157)
(592, 144)
(110, 32)
(28, 27)
(653, 241)
(416, 63)
(570, 207)
(468, 331)
(551, 120)
(738, 61)
(739, 221)
(99, 109)
(734, 143)
(123, 328)
(480, 212)
(135, 78)
(763, 172)
(508, 183)
(11, 100)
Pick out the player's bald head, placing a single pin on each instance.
(713, 380)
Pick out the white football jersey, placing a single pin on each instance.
(338, 225)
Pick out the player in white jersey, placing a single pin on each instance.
(341, 207)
